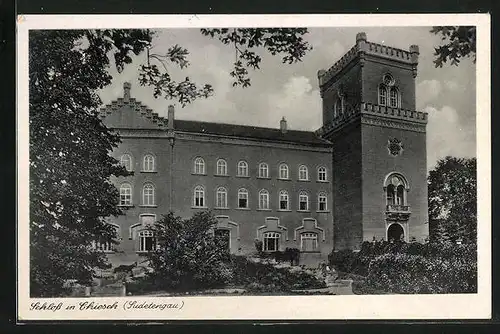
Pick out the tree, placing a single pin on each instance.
(188, 254)
(452, 188)
(71, 193)
(459, 42)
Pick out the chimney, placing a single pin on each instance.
(170, 117)
(126, 91)
(283, 125)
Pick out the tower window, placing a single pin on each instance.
(394, 97)
(338, 108)
(382, 95)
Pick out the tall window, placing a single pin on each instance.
(242, 168)
(271, 242)
(309, 242)
(146, 241)
(126, 161)
(284, 202)
(263, 170)
(382, 95)
(148, 194)
(303, 201)
(242, 198)
(322, 174)
(149, 163)
(125, 194)
(283, 171)
(199, 166)
(394, 97)
(221, 201)
(303, 173)
(339, 106)
(264, 199)
(221, 167)
(322, 202)
(395, 188)
(199, 197)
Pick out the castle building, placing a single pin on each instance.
(360, 177)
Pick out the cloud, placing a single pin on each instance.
(298, 102)
(446, 136)
(427, 91)
(451, 85)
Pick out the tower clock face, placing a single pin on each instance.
(388, 80)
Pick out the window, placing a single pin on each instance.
(148, 194)
(126, 161)
(242, 168)
(339, 106)
(264, 199)
(303, 201)
(390, 194)
(242, 198)
(382, 95)
(394, 97)
(322, 174)
(395, 188)
(149, 163)
(322, 200)
(147, 241)
(199, 197)
(221, 167)
(199, 166)
(400, 190)
(104, 245)
(303, 173)
(125, 194)
(271, 242)
(263, 170)
(284, 203)
(221, 201)
(284, 171)
(309, 242)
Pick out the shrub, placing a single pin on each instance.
(188, 255)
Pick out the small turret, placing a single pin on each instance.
(283, 126)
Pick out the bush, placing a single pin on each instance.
(188, 255)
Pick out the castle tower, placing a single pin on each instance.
(379, 145)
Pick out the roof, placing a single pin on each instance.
(253, 132)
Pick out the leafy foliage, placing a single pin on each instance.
(452, 195)
(459, 42)
(287, 42)
(188, 255)
(70, 167)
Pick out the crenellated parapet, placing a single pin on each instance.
(364, 47)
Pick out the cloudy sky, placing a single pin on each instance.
(447, 94)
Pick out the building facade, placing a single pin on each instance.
(361, 176)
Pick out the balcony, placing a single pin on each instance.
(396, 212)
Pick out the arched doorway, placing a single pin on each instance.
(395, 232)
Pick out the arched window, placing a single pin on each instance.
(303, 173)
(284, 171)
(221, 198)
(271, 242)
(242, 168)
(394, 97)
(303, 201)
(126, 161)
(148, 194)
(263, 170)
(339, 106)
(199, 197)
(147, 241)
(396, 188)
(309, 242)
(125, 194)
(322, 202)
(149, 163)
(221, 167)
(284, 200)
(264, 199)
(322, 174)
(199, 166)
(382, 95)
(242, 198)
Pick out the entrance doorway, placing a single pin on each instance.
(395, 232)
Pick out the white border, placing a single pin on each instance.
(473, 306)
